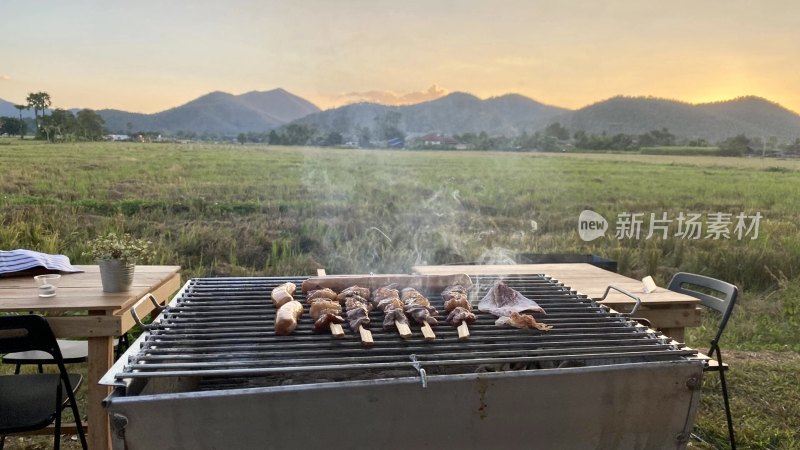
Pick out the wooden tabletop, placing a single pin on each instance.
(81, 291)
(584, 278)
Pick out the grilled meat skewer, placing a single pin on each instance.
(358, 308)
(325, 311)
(420, 309)
(387, 299)
(457, 304)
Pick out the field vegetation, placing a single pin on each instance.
(221, 210)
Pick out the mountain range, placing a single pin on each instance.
(512, 114)
(7, 109)
(217, 113)
(454, 113)
(224, 114)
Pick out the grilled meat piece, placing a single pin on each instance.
(357, 307)
(287, 317)
(357, 313)
(388, 300)
(324, 312)
(502, 300)
(457, 304)
(455, 296)
(351, 291)
(321, 294)
(418, 307)
(525, 321)
(283, 294)
(459, 315)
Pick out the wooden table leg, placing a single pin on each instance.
(677, 334)
(100, 360)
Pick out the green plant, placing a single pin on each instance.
(124, 247)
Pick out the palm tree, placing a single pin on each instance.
(21, 123)
(39, 101)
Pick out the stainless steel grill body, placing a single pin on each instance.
(212, 374)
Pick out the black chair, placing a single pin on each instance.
(72, 352)
(683, 283)
(32, 402)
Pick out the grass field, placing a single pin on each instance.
(259, 210)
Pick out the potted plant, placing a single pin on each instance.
(117, 257)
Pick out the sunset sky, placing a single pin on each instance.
(147, 56)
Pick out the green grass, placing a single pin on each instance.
(681, 151)
(260, 210)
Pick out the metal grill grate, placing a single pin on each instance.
(220, 331)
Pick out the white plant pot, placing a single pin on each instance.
(116, 275)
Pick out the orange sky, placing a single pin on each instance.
(150, 55)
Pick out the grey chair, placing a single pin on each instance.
(723, 300)
(31, 402)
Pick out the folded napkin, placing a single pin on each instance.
(25, 262)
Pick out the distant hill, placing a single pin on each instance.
(454, 113)
(217, 113)
(220, 113)
(753, 116)
(7, 109)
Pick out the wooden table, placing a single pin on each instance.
(107, 315)
(668, 311)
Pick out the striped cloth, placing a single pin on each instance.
(20, 260)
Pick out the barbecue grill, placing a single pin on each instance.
(210, 372)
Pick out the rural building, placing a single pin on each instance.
(438, 140)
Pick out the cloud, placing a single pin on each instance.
(4, 77)
(391, 97)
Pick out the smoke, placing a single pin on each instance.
(360, 215)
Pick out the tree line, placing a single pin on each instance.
(59, 125)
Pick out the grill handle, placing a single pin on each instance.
(623, 292)
(157, 307)
(422, 375)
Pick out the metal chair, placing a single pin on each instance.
(683, 282)
(72, 352)
(31, 402)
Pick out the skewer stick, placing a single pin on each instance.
(403, 329)
(463, 331)
(366, 336)
(336, 329)
(427, 331)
